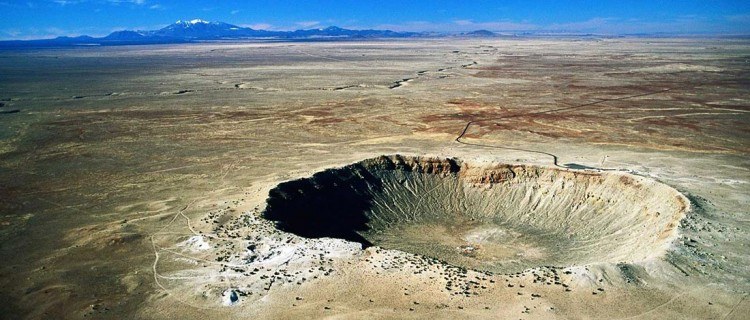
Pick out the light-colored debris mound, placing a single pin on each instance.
(677, 67)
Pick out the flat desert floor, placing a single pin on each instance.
(136, 182)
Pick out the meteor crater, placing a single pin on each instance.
(493, 217)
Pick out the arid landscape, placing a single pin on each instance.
(445, 178)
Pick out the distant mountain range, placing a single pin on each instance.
(201, 30)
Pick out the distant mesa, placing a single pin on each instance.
(124, 35)
(79, 38)
(480, 34)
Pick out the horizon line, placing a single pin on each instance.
(435, 33)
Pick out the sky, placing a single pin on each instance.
(35, 19)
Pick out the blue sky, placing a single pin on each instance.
(26, 19)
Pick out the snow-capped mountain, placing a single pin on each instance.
(200, 29)
(192, 22)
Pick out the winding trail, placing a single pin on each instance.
(657, 307)
(735, 307)
(554, 157)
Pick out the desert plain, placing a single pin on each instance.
(513, 178)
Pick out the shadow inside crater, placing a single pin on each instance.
(331, 204)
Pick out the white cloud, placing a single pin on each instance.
(496, 25)
(682, 25)
(114, 2)
(587, 26)
(138, 2)
(258, 26)
(741, 18)
(307, 24)
(685, 24)
(460, 25)
(66, 2)
(34, 33)
(233, 12)
(58, 31)
(13, 33)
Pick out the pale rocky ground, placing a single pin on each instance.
(133, 178)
